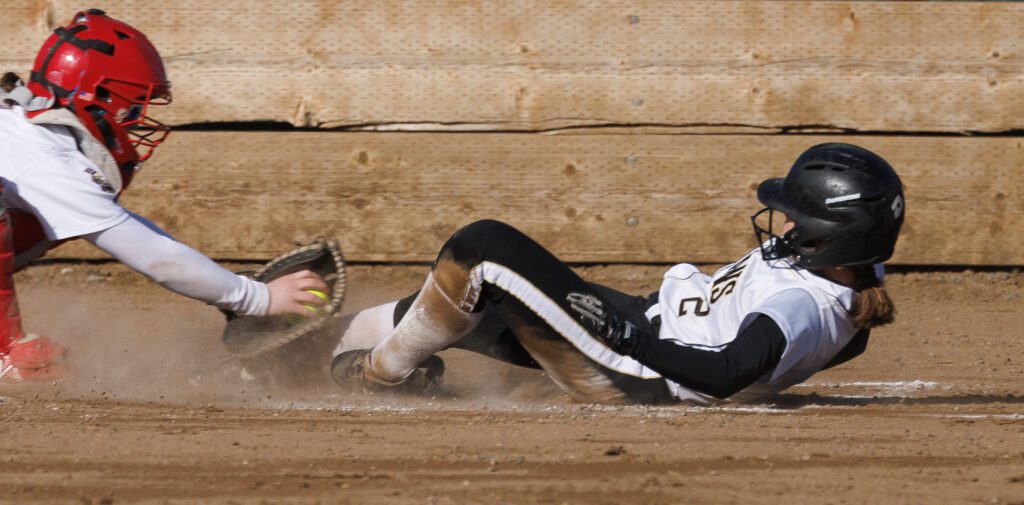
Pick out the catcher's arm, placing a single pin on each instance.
(147, 249)
(143, 246)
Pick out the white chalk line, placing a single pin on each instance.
(887, 386)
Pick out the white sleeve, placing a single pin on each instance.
(150, 251)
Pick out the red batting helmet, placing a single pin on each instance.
(107, 73)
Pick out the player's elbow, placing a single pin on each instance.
(164, 272)
(719, 386)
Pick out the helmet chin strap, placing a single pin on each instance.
(99, 118)
(109, 140)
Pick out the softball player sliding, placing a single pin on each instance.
(70, 142)
(802, 301)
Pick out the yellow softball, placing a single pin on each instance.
(296, 319)
(319, 294)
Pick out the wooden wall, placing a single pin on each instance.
(567, 118)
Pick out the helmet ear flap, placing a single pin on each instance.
(811, 247)
(103, 126)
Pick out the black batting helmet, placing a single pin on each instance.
(847, 205)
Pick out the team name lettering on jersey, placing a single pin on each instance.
(724, 285)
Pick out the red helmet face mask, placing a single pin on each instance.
(108, 74)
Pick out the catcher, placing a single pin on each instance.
(65, 157)
(804, 300)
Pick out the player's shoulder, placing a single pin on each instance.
(24, 144)
(794, 298)
(17, 149)
(784, 273)
(785, 284)
(682, 272)
(810, 304)
(15, 128)
(10, 116)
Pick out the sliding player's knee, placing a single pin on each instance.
(467, 248)
(481, 240)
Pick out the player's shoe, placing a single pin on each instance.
(349, 370)
(33, 358)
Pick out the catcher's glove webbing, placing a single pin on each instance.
(251, 336)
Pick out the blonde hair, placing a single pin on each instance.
(873, 305)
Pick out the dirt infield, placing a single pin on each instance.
(932, 413)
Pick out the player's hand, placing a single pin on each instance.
(621, 337)
(289, 294)
(603, 322)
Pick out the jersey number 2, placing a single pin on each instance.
(722, 286)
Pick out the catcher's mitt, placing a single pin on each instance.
(251, 336)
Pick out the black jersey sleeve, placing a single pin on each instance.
(855, 348)
(756, 350)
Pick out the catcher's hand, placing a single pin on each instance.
(251, 336)
(293, 294)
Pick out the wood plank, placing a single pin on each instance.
(537, 65)
(23, 30)
(395, 197)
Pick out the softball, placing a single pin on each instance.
(319, 294)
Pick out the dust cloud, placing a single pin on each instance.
(130, 340)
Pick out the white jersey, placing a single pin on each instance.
(708, 312)
(44, 173)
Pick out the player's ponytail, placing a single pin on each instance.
(873, 306)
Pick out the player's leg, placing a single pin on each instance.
(368, 327)
(300, 363)
(22, 356)
(432, 323)
(576, 360)
(489, 264)
(581, 377)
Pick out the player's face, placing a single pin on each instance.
(789, 225)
